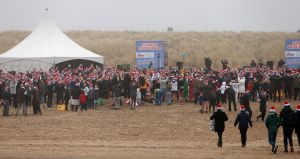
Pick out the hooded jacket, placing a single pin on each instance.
(272, 122)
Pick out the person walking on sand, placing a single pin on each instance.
(287, 117)
(243, 119)
(297, 124)
(272, 123)
(220, 117)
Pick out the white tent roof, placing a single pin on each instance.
(45, 46)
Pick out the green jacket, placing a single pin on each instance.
(272, 122)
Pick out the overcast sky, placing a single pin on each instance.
(154, 15)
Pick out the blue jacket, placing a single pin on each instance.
(243, 119)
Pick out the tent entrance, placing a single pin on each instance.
(75, 63)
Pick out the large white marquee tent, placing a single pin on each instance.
(45, 46)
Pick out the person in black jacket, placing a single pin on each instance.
(245, 101)
(133, 93)
(5, 100)
(297, 123)
(67, 98)
(36, 100)
(243, 120)
(50, 94)
(231, 97)
(220, 117)
(262, 106)
(287, 117)
(288, 80)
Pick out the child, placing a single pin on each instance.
(82, 98)
(272, 124)
(169, 93)
(262, 106)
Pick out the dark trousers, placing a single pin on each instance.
(49, 101)
(92, 103)
(296, 92)
(279, 93)
(5, 107)
(223, 99)
(36, 108)
(288, 92)
(234, 103)
(272, 138)
(143, 94)
(243, 132)
(177, 95)
(15, 100)
(262, 115)
(59, 98)
(196, 98)
(83, 106)
(133, 101)
(74, 107)
(66, 104)
(248, 109)
(298, 136)
(287, 135)
(220, 133)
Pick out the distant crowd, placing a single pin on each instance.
(86, 87)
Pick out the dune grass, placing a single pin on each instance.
(239, 48)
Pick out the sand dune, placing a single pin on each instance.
(119, 47)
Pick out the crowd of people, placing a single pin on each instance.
(84, 86)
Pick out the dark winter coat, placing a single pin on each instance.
(245, 101)
(5, 95)
(220, 117)
(67, 95)
(230, 93)
(297, 123)
(262, 104)
(35, 96)
(272, 122)
(133, 90)
(117, 91)
(287, 117)
(21, 96)
(75, 93)
(243, 119)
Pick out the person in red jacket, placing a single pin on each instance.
(82, 98)
(250, 87)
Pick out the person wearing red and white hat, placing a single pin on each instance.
(243, 119)
(272, 123)
(297, 123)
(288, 118)
(220, 117)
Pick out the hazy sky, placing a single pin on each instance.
(154, 15)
